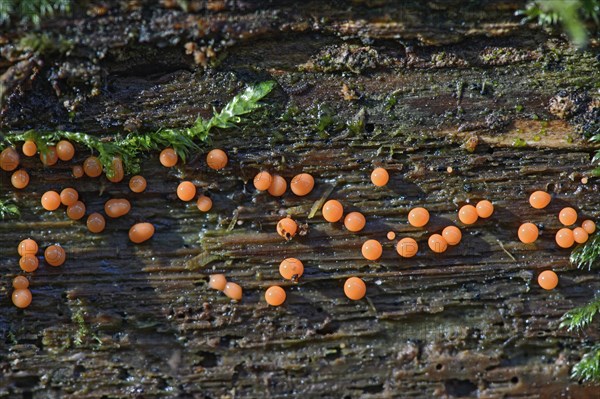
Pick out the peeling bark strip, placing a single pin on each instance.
(418, 88)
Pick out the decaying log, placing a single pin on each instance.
(419, 88)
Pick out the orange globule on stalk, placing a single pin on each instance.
(140, 232)
(50, 200)
(355, 288)
(302, 184)
(287, 228)
(380, 177)
(355, 221)
(69, 196)
(96, 223)
(539, 199)
(233, 291)
(9, 159)
(275, 295)
(216, 159)
(262, 180)
(418, 217)
(168, 157)
(528, 233)
(291, 268)
(371, 250)
(333, 211)
(20, 179)
(65, 150)
(278, 186)
(407, 247)
(452, 235)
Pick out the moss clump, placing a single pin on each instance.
(43, 43)
(31, 11)
(507, 55)
(352, 58)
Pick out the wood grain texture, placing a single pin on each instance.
(123, 320)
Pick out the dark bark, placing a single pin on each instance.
(424, 82)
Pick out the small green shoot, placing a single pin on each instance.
(519, 143)
(8, 210)
(596, 159)
(32, 10)
(572, 15)
(588, 254)
(588, 368)
(579, 318)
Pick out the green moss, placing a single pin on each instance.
(11, 338)
(519, 143)
(31, 11)
(43, 43)
(131, 146)
(579, 318)
(291, 112)
(83, 331)
(82, 328)
(572, 14)
(8, 210)
(391, 101)
(596, 159)
(357, 124)
(588, 369)
(352, 58)
(324, 120)
(588, 254)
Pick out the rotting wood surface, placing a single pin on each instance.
(423, 81)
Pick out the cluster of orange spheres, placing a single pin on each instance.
(565, 237)
(10, 159)
(333, 211)
(69, 197)
(215, 159)
(219, 282)
(407, 247)
(64, 151)
(96, 223)
(54, 255)
(290, 269)
(469, 214)
(301, 184)
(186, 190)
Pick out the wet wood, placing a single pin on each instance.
(118, 320)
